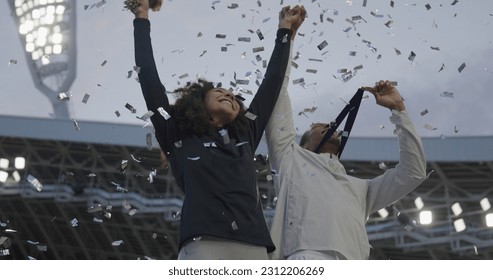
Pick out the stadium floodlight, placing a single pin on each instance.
(425, 217)
(489, 220)
(4, 163)
(419, 203)
(16, 176)
(3, 176)
(456, 209)
(485, 204)
(460, 225)
(20, 163)
(47, 32)
(383, 213)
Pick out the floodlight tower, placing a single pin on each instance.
(47, 32)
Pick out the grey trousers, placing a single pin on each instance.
(221, 249)
(315, 255)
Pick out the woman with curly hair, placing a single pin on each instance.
(209, 139)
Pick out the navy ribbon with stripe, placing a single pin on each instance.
(351, 109)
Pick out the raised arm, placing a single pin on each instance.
(410, 172)
(268, 92)
(153, 90)
(280, 132)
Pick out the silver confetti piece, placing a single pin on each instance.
(424, 112)
(146, 116)
(132, 212)
(221, 36)
(149, 141)
(463, 65)
(250, 115)
(178, 144)
(130, 108)
(447, 94)
(258, 49)
(298, 81)
(322, 45)
(35, 182)
(234, 225)
(74, 222)
(85, 99)
(76, 124)
(117, 243)
(225, 135)
(64, 96)
(12, 61)
(163, 113)
(412, 56)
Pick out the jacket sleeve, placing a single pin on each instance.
(268, 92)
(153, 90)
(280, 132)
(408, 174)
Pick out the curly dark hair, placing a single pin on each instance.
(191, 115)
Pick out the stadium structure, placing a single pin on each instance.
(100, 191)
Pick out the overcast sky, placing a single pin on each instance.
(440, 34)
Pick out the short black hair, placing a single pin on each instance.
(191, 115)
(305, 137)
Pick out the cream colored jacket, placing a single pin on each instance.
(319, 206)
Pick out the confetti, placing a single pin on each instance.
(76, 124)
(299, 81)
(352, 53)
(435, 48)
(463, 65)
(260, 35)
(447, 94)
(123, 165)
(117, 113)
(64, 96)
(178, 144)
(130, 108)
(117, 243)
(4, 252)
(94, 209)
(149, 141)
(85, 99)
(74, 222)
(95, 5)
(375, 14)
(244, 39)
(412, 56)
(428, 6)
(234, 225)
(132, 212)
(146, 116)
(35, 182)
(430, 127)
(258, 49)
(382, 166)
(224, 133)
(183, 76)
(441, 67)
(104, 63)
(424, 112)
(389, 23)
(251, 116)
(233, 6)
(322, 45)
(220, 36)
(12, 61)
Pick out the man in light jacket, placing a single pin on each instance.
(321, 211)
